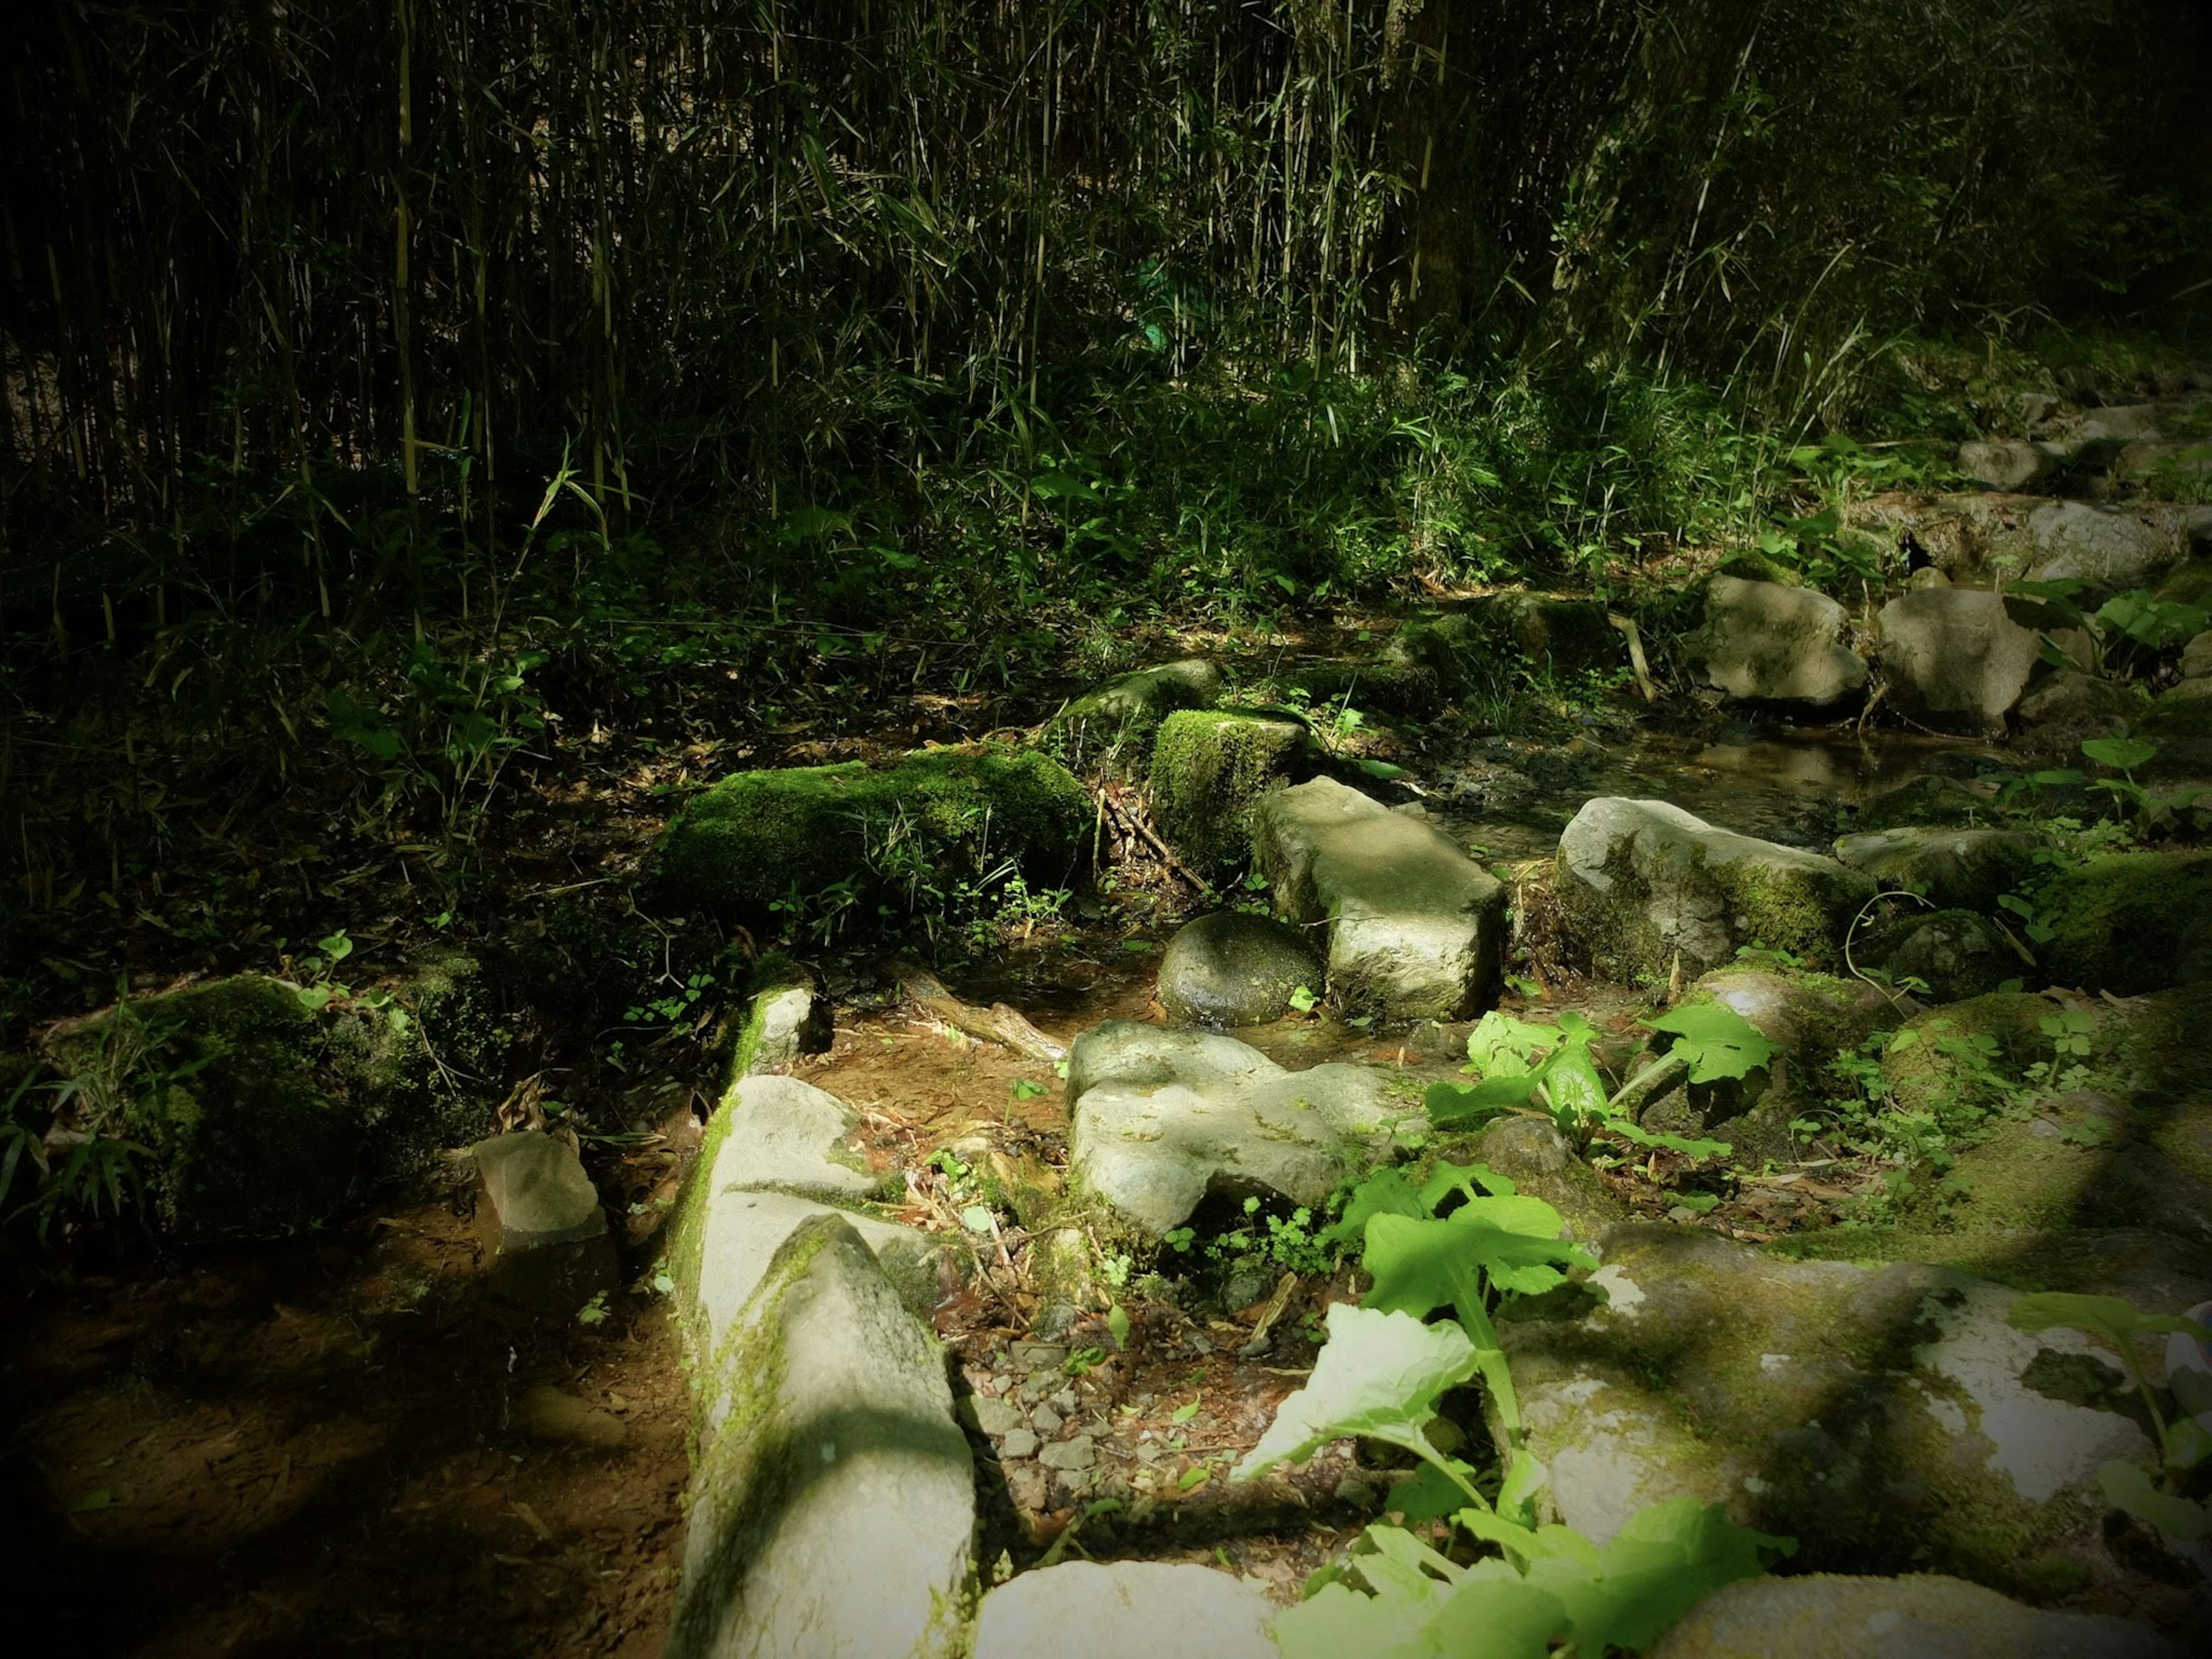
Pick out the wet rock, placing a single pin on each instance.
(1117, 720)
(754, 837)
(1086, 1610)
(2197, 657)
(1954, 660)
(1817, 1616)
(1890, 1419)
(1952, 869)
(2015, 465)
(2071, 706)
(2118, 424)
(1536, 1158)
(1231, 969)
(2179, 721)
(1641, 881)
(2109, 549)
(1209, 772)
(546, 1413)
(1176, 1119)
(1413, 925)
(1956, 954)
(1773, 643)
(539, 1217)
(786, 1020)
(825, 1418)
(783, 1135)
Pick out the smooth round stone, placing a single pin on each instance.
(1231, 969)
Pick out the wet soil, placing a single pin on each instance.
(315, 1446)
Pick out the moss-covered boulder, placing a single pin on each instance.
(1210, 769)
(2128, 922)
(1643, 884)
(1114, 724)
(1889, 1420)
(1956, 1062)
(912, 830)
(263, 1116)
(784, 1017)
(1951, 868)
(1475, 643)
(1820, 1616)
(1954, 954)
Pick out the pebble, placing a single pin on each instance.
(996, 1417)
(1036, 1389)
(1048, 1422)
(1018, 1443)
(1065, 1401)
(1070, 1455)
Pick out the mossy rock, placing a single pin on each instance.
(428, 1082)
(1936, 1070)
(784, 1018)
(2189, 582)
(911, 829)
(1210, 768)
(1387, 686)
(219, 1082)
(2128, 922)
(1932, 800)
(1547, 633)
(1112, 725)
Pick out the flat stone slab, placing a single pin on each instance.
(1770, 642)
(1887, 1418)
(784, 1135)
(1642, 881)
(539, 1217)
(1129, 1610)
(1952, 869)
(743, 1230)
(834, 1493)
(1821, 1616)
(1955, 658)
(1415, 926)
(1182, 1115)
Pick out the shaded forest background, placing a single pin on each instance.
(315, 300)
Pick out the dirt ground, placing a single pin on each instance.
(315, 1446)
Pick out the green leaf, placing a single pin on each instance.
(1378, 1374)
(1570, 1079)
(1462, 1178)
(1117, 1323)
(1501, 1046)
(1699, 1149)
(1025, 1090)
(1511, 1244)
(1387, 1192)
(2106, 1315)
(1450, 1104)
(2128, 1487)
(1432, 1494)
(2121, 754)
(1715, 1041)
(1663, 1562)
(93, 1501)
(1303, 1000)
(976, 1218)
(1184, 1413)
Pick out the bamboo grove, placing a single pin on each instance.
(280, 278)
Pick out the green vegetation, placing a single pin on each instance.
(1209, 768)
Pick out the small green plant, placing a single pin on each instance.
(2125, 756)
(593, 1312)
(2160, 1499)
(1381, 1376)
(1523, 1066)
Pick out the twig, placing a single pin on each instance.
(998, 1023)
(1130, 824)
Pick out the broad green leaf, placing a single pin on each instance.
(1513, 1244)
(2108, 1314)
(1337, 1621)
(1716, 1040)
(1570, 1079)
(1117, 1323)
(1379, 1374)
(1387, 1192)
(1663, 1562)
(2121, 754)
(1499, 1615)
(1698, 1149)
(1502, 1046)
(2128, 1487)
(1462, 1178)
(1432, 1494)
(1451, 1104)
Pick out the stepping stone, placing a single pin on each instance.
(1887, 1418)
(1084, 1610)
(1774, 643)
(1641, 881)
(788, 1018)
(1923, 1617)
(1414, 926)
(833, 1492)
(2014, 465)
(779, 1134)
(1952, 869)
(1160, 1118)
(1955, 658)
(539, 1217)
(1231, 969)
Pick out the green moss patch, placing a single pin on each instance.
(2128, 922)
(910, 832)
(1210, 768)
